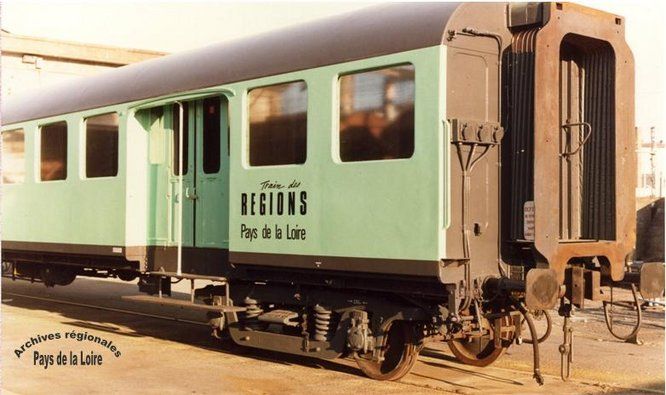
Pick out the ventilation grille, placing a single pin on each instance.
(518, 143)
(598, 214)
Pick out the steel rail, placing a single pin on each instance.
(112, 309)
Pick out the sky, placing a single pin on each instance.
(172, 26)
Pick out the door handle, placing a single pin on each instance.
(585, 125)
(191, 196)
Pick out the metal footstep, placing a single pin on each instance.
(161, 299)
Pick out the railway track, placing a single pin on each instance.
(410, 381)
(104, 308)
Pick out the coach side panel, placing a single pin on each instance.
(333, 208)
(57, 201)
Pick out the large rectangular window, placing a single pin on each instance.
(377, 114)
(102, 145)
(13, 156)
(176, 137)
(211, 135)
(53, 151)
(278, 124)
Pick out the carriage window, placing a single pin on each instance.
(53, 151)
(377, 114)
(13, 156)
(211, 135)
(102, 146)
(278, 124)
(176, 137)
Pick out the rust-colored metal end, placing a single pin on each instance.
(607, 210)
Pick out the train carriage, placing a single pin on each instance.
(355, 185)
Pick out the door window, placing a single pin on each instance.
(176, 137)
(211, 135)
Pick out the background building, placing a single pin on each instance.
(29, 62)
(651, 165)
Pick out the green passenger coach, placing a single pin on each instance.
(353, 186)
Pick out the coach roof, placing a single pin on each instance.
(366, 33)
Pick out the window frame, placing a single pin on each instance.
(40, 130)
(246, 149)
(25, 157)
(337, 113)
(84, 157)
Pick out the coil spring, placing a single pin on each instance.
(252, 313)
(322, 323)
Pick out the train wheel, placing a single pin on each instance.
(480, 351)
(7, 268)
(400, 354)
(127, 275)
(57, 275)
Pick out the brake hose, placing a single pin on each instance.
(535, 344)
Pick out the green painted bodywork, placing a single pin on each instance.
(74, 210)
(379, 209)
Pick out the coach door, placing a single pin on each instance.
(200, 209)
(211, 184)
